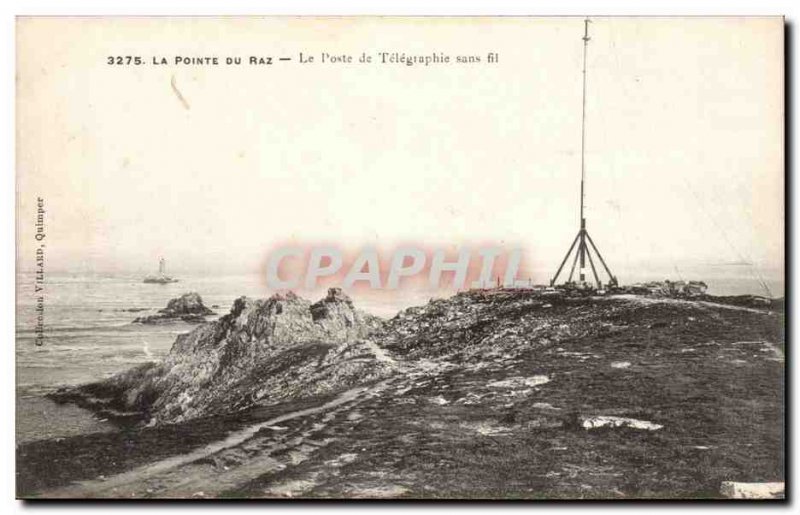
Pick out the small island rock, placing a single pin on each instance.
(188, 307)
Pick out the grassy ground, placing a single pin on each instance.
(47, 464)
(458, 419)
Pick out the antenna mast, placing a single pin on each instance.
(583, 111)
(582, 252)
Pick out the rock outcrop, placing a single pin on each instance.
(734, 490)
(188, 307)
(262, 351)
(486, 394)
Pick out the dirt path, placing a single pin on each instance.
(240, 457)
(381, 354)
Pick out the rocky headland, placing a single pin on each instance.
(487, 394)
(268, 349)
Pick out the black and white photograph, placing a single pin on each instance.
(457, 258)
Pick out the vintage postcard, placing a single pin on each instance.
(400, 258)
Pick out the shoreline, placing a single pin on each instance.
(673, 356)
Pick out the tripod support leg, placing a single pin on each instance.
(594, 270)
(555, 277)
(574, 262)
(600, 256)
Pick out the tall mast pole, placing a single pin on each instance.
(582, 242)
(582, 246)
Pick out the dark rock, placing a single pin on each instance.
(167, 319)
(270, 349)
(188, 307)
(187, 304)
(335, 306)
(285, 347)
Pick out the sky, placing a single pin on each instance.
(214, 167)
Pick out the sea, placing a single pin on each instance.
(89, 332)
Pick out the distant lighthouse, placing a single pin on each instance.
(162, 277)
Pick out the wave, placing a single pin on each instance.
(116, 361)
(80, 328)
(30, 390)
